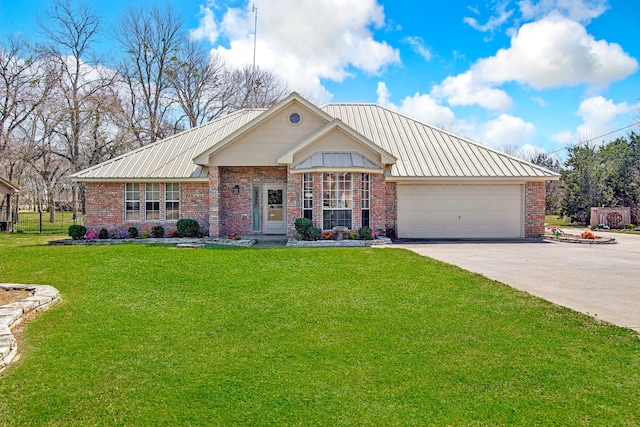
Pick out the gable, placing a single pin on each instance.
(262, 144)
(337, 141)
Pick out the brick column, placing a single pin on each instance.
(391, 206)
(356, 220)
(294, 200)
(214, 201)
(317, 199)
(534, 208)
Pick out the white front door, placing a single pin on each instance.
(275, 209)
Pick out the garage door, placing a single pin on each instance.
(460, 211)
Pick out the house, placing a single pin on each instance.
(255, 171)
(7, 189)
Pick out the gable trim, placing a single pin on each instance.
(387, 158)
(202, 159)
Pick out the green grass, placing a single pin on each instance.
(152, 335)
(559, 221)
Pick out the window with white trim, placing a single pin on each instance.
(337, 200)
(152, 201)
(172, 201)
(307, 195)
(132, 201)
(366, 201)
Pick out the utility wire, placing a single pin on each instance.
(594, 138)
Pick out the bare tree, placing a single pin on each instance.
(71, 33)
(149, 39)
(255, 88)
(23, 86)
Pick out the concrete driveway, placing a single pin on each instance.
(599, 280)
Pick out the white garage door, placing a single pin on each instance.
(460, 211)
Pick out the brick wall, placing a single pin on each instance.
(534, 208)
(236, 210)
(391, 209)
(105, 207)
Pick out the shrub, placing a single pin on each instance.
(365, 233)
(173, 233)
(306, 230)
(353, 235)
(132, 232)
(187, 227)
(77, 232)
(119, 235)
(630, 226)
(157, 231)
(145, 234)
(103, 234)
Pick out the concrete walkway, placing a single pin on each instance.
(599, 280)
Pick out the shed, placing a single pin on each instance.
(7, 190)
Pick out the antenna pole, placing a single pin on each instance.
(254, 9)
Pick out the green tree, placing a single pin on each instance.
(583, 184)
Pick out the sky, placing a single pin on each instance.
(507, 74)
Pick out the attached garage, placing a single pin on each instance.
(462, 211)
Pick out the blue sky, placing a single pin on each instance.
(541, 73)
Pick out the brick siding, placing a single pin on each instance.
(236, 210)
(534, 207)
(105, 207)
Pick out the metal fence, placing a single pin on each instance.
(40, 222)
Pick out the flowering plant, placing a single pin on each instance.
(374, 234)
(92, 235)
(120, 235)
(173, 233)
(555, 231)
(233, 236)
(588, 235)
(327, 235)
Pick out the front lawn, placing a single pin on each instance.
(153, 335)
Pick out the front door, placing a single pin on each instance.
(275, 209)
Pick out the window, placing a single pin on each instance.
(307, 195)
(132, 201)
(337, 200)
(172, 201)
(366, 193)
(152, 201)
(295, 118)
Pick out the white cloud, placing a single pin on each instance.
(208, 29)
(502, 15)
(419, 106)
(554, 52)
(599, 116)
(420, 47)
(577, 10)
(507, 130)
(304, 42)
(466, 89)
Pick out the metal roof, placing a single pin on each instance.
(336, 160)
(170, 158)
(424, 151)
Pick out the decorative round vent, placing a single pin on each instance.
(295, 118)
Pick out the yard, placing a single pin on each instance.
(153, 335)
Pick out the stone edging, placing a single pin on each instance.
(293, 243)
(12, 314)
(598, 241)
(164, 240)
